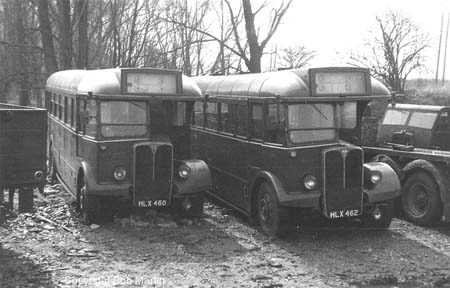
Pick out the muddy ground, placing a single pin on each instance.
(52, 248)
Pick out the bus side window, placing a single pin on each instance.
(72, 112)
(226, 118)
(91, 126)
(211, 115)
(257, 122)
(198, 114)
(60, 107)
(55, 106)
(66, 109)
(241, 119)
(274, 132)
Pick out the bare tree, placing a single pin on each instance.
(82, 25)
(256, 47)
(394, 51)
(48, 47)
(295, 56)
(65, 32)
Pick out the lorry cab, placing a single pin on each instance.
(409, 126)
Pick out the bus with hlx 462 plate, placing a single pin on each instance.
(123, 134)
(273, 144)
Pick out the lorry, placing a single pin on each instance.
(415, 141)
(23, 138)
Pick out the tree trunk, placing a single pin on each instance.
(66, 34)
(255, 53)
(83, 43)
(23, 79)
(47, 38)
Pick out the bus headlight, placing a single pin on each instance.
(375, 177)
(119, 173)
(184, 172)
(310, 182)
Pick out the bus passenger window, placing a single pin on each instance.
(91, 126)
(60, 111)
(274, 132)
(72, 112)
(257, 121)
(226, 118)
(241, 120)
(211, 115)
(198, 114)
(55, 106)
(66, 109)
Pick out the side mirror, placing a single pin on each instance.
(84, 118)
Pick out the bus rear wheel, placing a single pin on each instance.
(421, 201)
(272, 217)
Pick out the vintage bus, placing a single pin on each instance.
(124, 134)
(275, 141)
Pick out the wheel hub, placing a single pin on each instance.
(419, 199)
(264, 208)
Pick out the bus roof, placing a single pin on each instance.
(416, 107)
(107, 82)
(287, 84)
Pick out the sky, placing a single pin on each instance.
(334, 28)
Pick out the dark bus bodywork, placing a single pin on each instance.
(273, 143)
(124, 133)
(23, 139)
(415, 141)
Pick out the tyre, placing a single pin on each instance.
(89, 205)
(421, 200)
(273, 218)
(386, 210)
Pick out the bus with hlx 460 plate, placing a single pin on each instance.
(123, 134)
(273, 143)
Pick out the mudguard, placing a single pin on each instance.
(440, 178)
(93, 188)
(387, 188)
(198, 181)
(305, 199)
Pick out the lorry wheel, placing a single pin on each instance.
(421, 201)
(386, 211)
(273, 218)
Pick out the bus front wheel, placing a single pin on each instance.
(273, 217)
(88, 204)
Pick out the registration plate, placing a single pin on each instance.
(344, 213)
(152, 203)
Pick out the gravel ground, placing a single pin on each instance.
(51, 248)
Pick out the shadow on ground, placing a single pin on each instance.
(16, 270)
